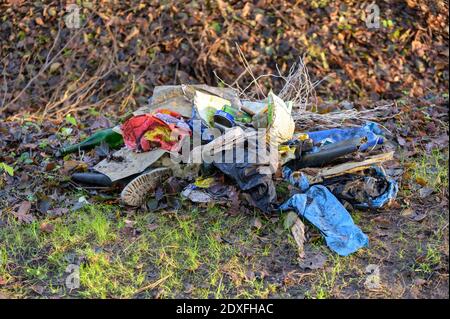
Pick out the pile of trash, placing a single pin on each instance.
(219, 146)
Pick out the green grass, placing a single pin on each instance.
(329, 280)
(431, 259)
(433, 169)
(196, 254)
(429, 170)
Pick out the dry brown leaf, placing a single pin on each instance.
(22, 212)
(47, 227)
(39, 21)
(133, 34)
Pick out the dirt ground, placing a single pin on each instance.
(58, 85)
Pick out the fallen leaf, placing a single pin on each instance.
(72, 165)
(152, 204)
(129, 223)
(418, 217)
(39, 21)
(421, 181)
(425, 192)
(401, 141)
(246, 10)
(100, 123)
(38, 289)
(58, 211)
(54, 67)
(419, 282)
(22, 213)
(102, 150)
(50, 166)
(256, 223)
(250, 275)
(381, 221)
(133, 33)
(235, 203)
(406, 212)
(31, 146)
(159, 193)
(47, 227)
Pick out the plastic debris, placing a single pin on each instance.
(205, 190)
(287, 153)
(196, 195)
(370, 189)
(188, 171)
(224, 93)
(92, 178)
(205, 182)
(281, 124)
(298, 179)
(249, 178)
(319, 206)
(254, 107)
(370, 131)
(154, 135)
(170, 97)
(228, 140)
(207, 105)
(327, 153)
(164, 129)
(179, 98)
(223, 120)
(239, 115)
(124, 163)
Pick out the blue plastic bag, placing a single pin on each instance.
(371, 131)
(299, 180)
(389, 194)
(319, 206)
(195, 116)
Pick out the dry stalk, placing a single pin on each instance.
(305, 119)
(299, 89)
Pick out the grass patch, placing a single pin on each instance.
(31, 256)
(199, 254)
(432, 170)
(431, 259)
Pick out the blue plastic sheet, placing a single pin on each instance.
(324, 211)
(371, 131)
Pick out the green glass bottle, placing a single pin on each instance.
(238, 115)
(110, 137)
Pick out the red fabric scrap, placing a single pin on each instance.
(134, 133)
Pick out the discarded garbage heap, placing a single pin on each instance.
(219, 144)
